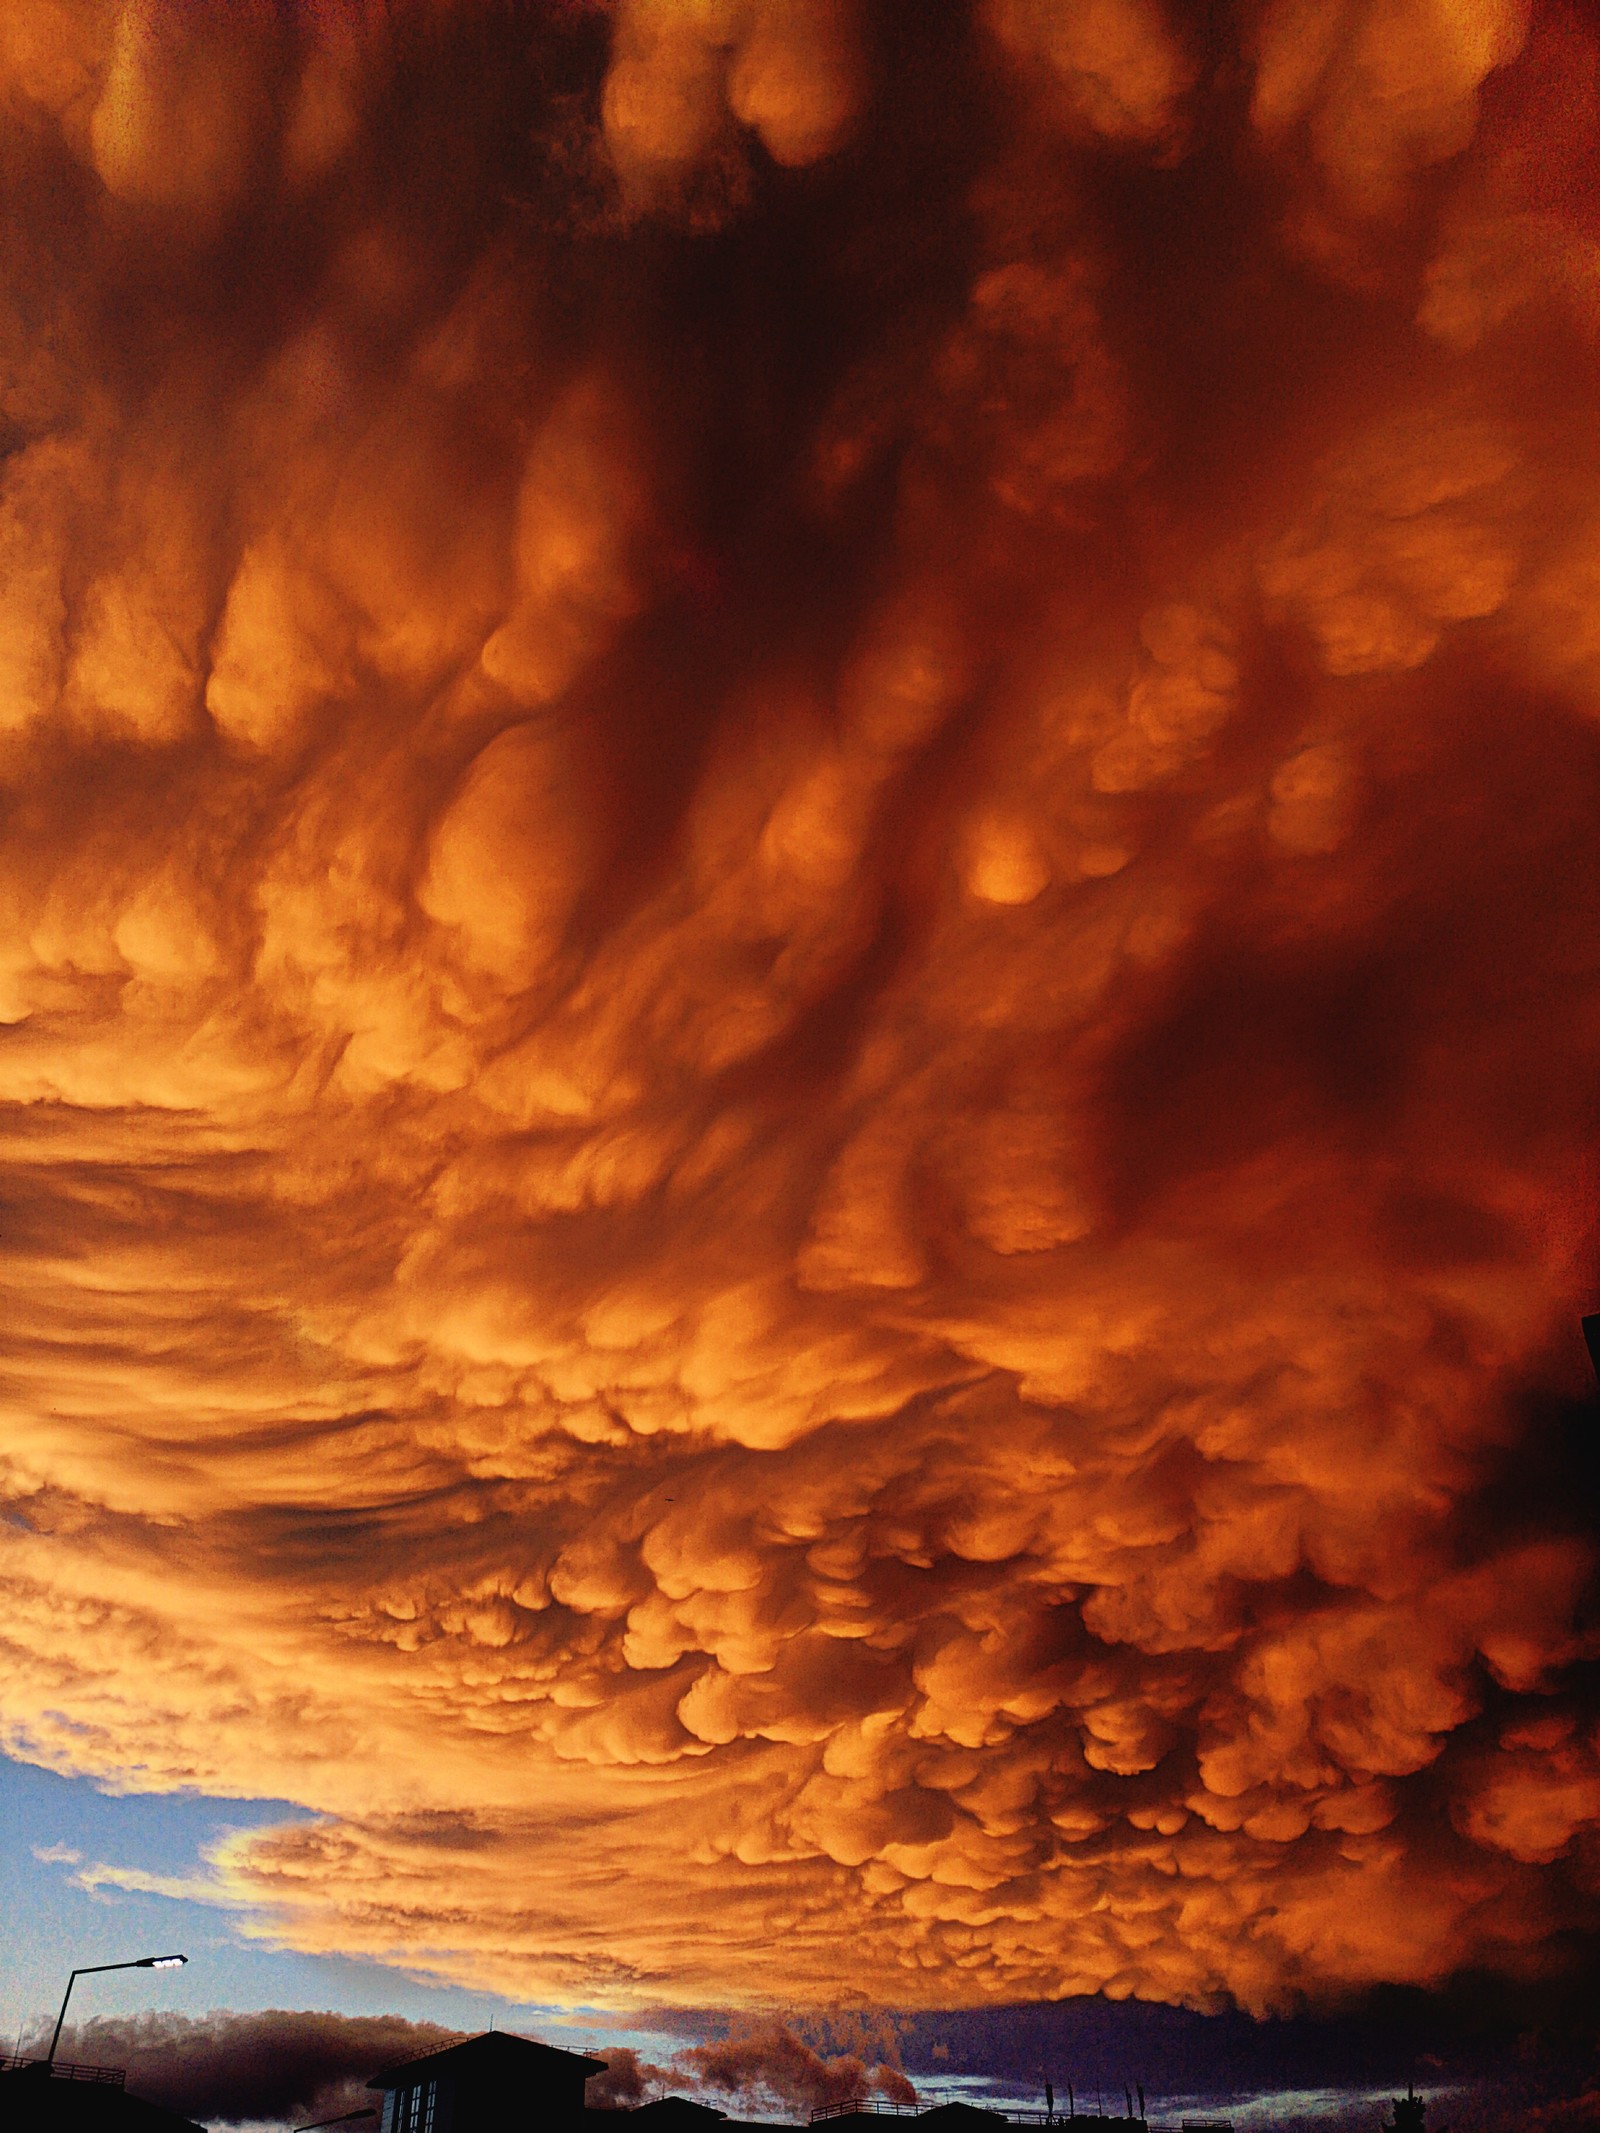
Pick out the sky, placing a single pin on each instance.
(800, 1003)
(91, 1878)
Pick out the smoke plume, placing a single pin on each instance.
(801, 1014)
(279, 2066)
(769, 2066)
(248, 2068)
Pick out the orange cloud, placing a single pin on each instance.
(799, 1055)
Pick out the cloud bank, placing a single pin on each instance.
(273, 2066)
(800, 1003)
(278, 2066)
(1493, 2059)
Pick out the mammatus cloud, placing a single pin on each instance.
(796, 933)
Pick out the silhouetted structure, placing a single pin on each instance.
(858, 2114)
(1408, 2109)
(38, 2097)
(499, 2083)
(490, 2084)
(1097, 2121)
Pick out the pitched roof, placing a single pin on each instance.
(496, 2049)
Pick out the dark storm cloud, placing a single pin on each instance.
(272, 2065)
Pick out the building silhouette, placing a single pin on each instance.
(40, 2096)
(490, 2084)
(500, 2083)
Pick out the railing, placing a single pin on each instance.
(66, 2069)
(1088, 2121)
(1072, 2118)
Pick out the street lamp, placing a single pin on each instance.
(140, 1962)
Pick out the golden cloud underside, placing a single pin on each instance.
(799, 980)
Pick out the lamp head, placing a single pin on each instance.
(161, 1962)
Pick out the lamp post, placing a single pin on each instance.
(140, 1962)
